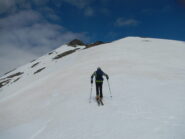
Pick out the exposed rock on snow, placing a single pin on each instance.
(34, 64)
(39, 70)
(94, 44)
(76, 42)
(65, 53)
(9, 71)
(4, 82)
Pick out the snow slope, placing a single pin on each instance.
(147, 78)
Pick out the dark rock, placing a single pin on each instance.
(34, 64)
(32, 60)
(9, 71)
(94, 44)
(65, 54)
(76, 42)
(6, 80)
(3, 83)
(50, 53)
(14, 75)
(39, 70)
(16, 79)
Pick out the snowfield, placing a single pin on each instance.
(50, 100)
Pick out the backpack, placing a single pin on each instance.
(99, 75)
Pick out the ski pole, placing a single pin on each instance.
(90, 93)
(109, 88)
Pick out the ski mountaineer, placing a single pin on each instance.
(99, 82)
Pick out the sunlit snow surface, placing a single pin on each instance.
(147, 80)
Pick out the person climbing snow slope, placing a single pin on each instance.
(98, 74)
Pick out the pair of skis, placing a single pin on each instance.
(100, 102)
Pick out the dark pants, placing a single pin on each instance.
(99, 89)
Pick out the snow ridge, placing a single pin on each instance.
(48, 98)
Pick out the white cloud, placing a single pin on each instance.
(83, 5)
(20, 19)
(89, 11)
(8, 6)
(79, 3)
(12, 56)
(12, 6)
(105, 11)
(39, 2)
(120, 22)
(26, 35)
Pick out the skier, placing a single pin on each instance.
(99, 82)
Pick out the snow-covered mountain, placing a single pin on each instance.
(49, 97)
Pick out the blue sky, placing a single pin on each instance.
(31, 28)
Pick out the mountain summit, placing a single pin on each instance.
(48, 98)
(77, 42)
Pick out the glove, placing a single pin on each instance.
(107, 77)
(91, 81)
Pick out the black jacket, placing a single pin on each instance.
(99, 75)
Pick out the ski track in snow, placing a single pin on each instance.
(39, 131)
(147, 78)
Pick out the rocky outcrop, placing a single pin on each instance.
(76, 42)
(94, 44)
